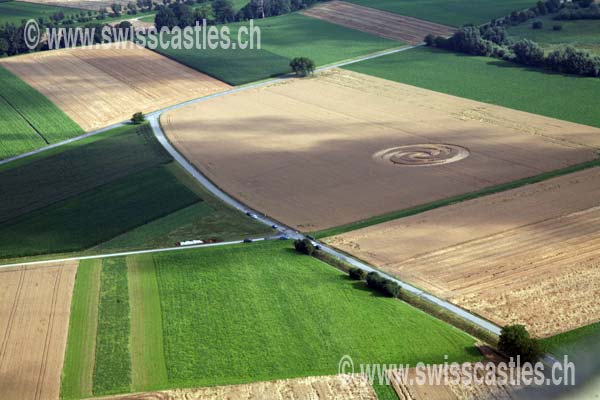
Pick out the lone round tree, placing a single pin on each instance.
(302, 66)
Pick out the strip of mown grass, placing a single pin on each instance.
(55, 177)
(97, 215)
(449, 12)
(147, 353)
(44, 117)
(566, 97)
(112, 369)
(282, 38)
(262, 311)
(453, 200)
(81, 343)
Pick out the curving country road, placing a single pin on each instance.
(154, 120)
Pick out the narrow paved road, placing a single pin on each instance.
(154, 119)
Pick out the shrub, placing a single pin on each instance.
(383, 285)
(557, 27)
(515, 341)
(304, 246)
(302, 66)
(357, 274)
(572, 61)
(429, 40)
(138, 118)
(528, 52)
(537, 24)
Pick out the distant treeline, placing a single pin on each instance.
(492, 40)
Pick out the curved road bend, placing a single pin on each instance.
(154, 117)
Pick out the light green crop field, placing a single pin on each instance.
(566, 97)
(15, 12)
(261, 311)
(283, 38)
(32, 121)
(583, 34)
(449, 12)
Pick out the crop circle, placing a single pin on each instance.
(421, 155)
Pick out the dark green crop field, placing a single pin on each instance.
(493, 81)
(121, 185)
(282, 38)
(32, 121)
(287, 315)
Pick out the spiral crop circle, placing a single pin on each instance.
(421, 155)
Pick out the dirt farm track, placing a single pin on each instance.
(98, 87)
(305, 151)
(529, 255)
(35, 303)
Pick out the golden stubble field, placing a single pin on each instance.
(313, 153)
(529, 255)
(381, 23)
(35, 303)
(97, 87)
(319, 387)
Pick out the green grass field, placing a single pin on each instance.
(489, 80)
(575, 343)
(583, 34)
(123, 178)
(112, 369)
(15, 12)
(32, 121)
(288, 315)
(77, 376)
(449, 12)
(283, 38)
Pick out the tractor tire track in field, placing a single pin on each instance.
(11, 316)
(44, 364)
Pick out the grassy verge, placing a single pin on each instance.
(424, 305)
(492, 81)
(453, 200)
(112, 370)
(79, 356)
(147, 354)
(385, 392)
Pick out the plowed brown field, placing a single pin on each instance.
(97, 87)
(529, 255)
(321, 387)
(303, 151)
(34, 316)
(376, 22)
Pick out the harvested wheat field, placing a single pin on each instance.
(100, 86)
(529, 255)
(311, 388)
(34, 316)
(381, 23)
(460, 387)
(342, 146)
